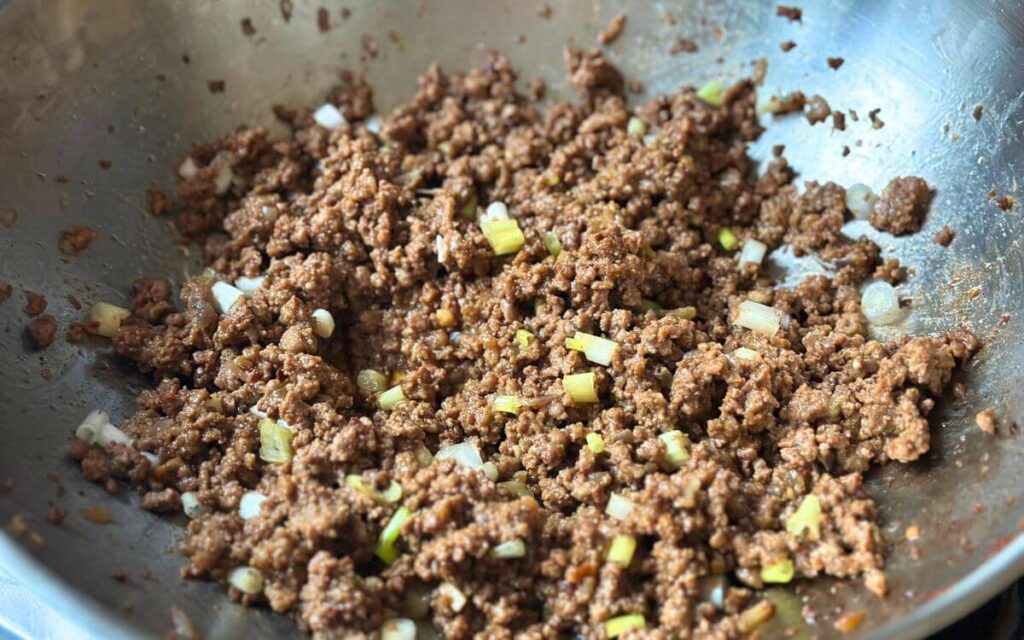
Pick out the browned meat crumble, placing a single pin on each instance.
(382, 231)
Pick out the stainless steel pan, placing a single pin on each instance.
(85, 81)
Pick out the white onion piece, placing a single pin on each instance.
(514, 548)
(398, 629)
(712, 589)
(758, 317)
(109, 434)
(650, 139)
(465, 453)
(323, 323)
(89, 428)
(619, 507)
(744, 353)
(249, 505)
(154, 460)
(328, 116)
(249, 286)
(880, 303)
(442, 248)
(860, 200)
(255, 410)
(222, 181)
(372, 124)
(753, 251)
(247, 580)
(224, 296)
(188, 169)
(456, 599)
(495, 211)
(191, 506)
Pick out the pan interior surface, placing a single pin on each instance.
(126, 82)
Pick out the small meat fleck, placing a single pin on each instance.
(287, 8)
(793, 14)
(902, 206)
(247, 28)
(34, 303)
(97, 515)
(62, 179)
(545, 11)
(157, 201)
(105, 164)
(778, 150)
(787, 46)
(42, 330)
(850, 621)
(612, 30)
(846, 150)
(5, 292)
(1006, 203)
(6, 486)
(120, 575)
(839, 121)
(76, 333)
(8, 218)
(370, 46)
(683, 45)
(323, 20)
(216, 86)
(818, 110)
(77, 239)
(986, 420)
(835, 63)
(978, 111)
(57, 515)
(876, 122)
(944, 237)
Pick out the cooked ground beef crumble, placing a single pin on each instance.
(381, 230)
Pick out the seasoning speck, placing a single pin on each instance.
(247, 28)
(216, 86)
(323, 20)
(793, 14)
(835, 63)
(683, 45)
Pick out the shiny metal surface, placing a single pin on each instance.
(83, 81)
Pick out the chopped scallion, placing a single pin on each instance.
(711, 93)
(727, 239)
(598, 350)
(386, 550)
(807, 517)
(524, 338)
(779, 572)
(677, 448)
(595, 443)
(275, 442)
(512, 549)
(552, 243)
(392, 397)
(504, 235)
(507, 404)
(580, 386)
(615, 627)
(621, 550)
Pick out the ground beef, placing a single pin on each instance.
(77, 239)
(986, 420)
(944, 237)
(612, 30)
(818, 110)
(381, 231)
(793, 14)
(42, 330)
(902, 206)
(34, 303)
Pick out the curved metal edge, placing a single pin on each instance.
(966, 595)
(87, 615)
